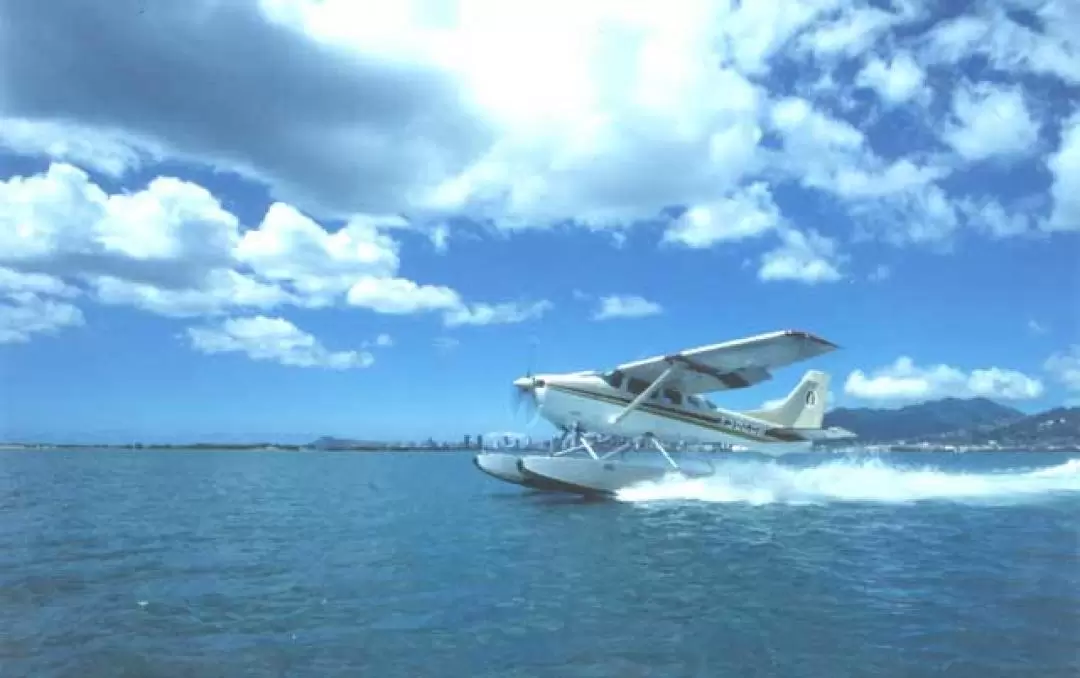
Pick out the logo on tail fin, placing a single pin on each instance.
(811, 398)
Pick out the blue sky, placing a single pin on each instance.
(369, 229)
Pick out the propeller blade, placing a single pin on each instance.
(535, 411)
(517, 402)
(524, 399)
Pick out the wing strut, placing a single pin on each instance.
(641, 397)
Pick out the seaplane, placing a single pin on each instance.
(657, 403)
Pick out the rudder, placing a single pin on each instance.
(804, 407)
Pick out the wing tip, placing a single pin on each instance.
(810, 336)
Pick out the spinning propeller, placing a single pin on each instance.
(524, 396)
(524, 393)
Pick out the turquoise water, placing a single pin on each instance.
(127, 563)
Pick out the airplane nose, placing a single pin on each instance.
(529, 383)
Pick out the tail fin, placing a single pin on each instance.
(803, 408)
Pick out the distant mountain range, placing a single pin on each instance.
(974, 421)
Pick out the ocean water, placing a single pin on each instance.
(128, 563)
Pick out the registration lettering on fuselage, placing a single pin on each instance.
(739, 425)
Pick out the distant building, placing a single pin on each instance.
(480, 441)
(468, 439)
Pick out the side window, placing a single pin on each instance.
(672, 397)
(636, 386)
(615, 379)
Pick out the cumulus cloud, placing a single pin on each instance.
(896, 81)
(290, 248)
(1064, 367)
(252, 88)
(747, 213)
(172, 249)
(34, 303)
(806, 257)
(22, 316)
(626, 306)
(525, 113)
(275, 340)
(988, 32)
(519, 114)
(1064, 165)
(903, 380)
(496, 314)
(991, 121)
(400, 296)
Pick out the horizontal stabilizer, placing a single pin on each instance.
(831, 433)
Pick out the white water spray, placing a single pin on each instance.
(870, 480)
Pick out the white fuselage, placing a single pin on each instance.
(589, 401)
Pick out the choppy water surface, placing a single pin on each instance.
(118, 563)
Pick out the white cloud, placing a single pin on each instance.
(13, 282)
(989, 32)
(918, 213)
(991, 121)
(990, 216)
(803, 257)
(905, 381)
(527, 114)
(290, 248)
(71, 143)
(1064, 164)
(850, 34)
(275, 340)
(61, 218)
(34, 303)
(172, 249)
(496, 314)
(896, 81)
(626, 306)
(1064, 367)
(440, 237)
(1035, 327)
(28, 314)
(817, 145)
(897, 200)
(220, 291)
(401, 296)
(528, 111)
(747, 213)
(384, 340)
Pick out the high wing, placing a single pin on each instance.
(730, 365)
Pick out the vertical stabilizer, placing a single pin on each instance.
(804, 407)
